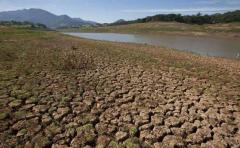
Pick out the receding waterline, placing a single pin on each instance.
(208, 46)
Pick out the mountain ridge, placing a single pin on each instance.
(47, 18)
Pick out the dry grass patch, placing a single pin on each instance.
(73, 60)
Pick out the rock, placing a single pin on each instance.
(33, 129)
(114, 144)
(201, 135)
(161, 110)
(52, 109)
(144, 115)
(60, 139)
(3, 126)
(147, 135)
(20, 94)
(71, 125)
(145, 127)
(228, 128)
(125, 100)
(4, 115)
(15, 103)
(161, 131)
(127, 119)
(189, 127)
(214, 143)
(237, 138)
(173, 122)
(86, 118)
(41, 141)
(157, 145)
(19, 115)
(53, 129)
(40, 108)
(59, 146)
(61, 112)
(3, 96)
(178, 132)
(22, 132)
(120, 136)
(102, 128)
(139, 121)
(88, 101)
(27, 107)
(32, 100)
(68, 118)
(171, 141)
(19, 125)
(132, 143)
(157, 120)
(85, 134)
(46, 119)
(196, 124)
(87, 146)
(70, 132)
(81, 108)
(102, 141)
(133, 131)
(28, 144)
(66, 99)
(212, 113)
(5, 102)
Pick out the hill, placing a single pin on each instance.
(43, 17)
(199, 19)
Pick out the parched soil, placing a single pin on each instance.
(59, 91)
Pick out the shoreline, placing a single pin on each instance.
(157, 44)
(152, 47)
(158, 28)
(195, 34)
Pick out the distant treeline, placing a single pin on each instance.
(23, 24)
(189, 19)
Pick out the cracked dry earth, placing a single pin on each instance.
(116, 105)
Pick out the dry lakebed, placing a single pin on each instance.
(60, 91)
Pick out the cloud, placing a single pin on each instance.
(185, 10)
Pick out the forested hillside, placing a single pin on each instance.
(189, 19)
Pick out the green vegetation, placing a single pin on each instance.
(23, 24)
(17, 52)
(189, 19)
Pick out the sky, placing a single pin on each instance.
(106, 11)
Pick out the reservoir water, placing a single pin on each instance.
(203, 45)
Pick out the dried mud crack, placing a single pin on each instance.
(117, 103)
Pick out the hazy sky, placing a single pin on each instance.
(112, 10)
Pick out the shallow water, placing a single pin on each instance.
(208, 46)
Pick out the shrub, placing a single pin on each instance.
(73, 60)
